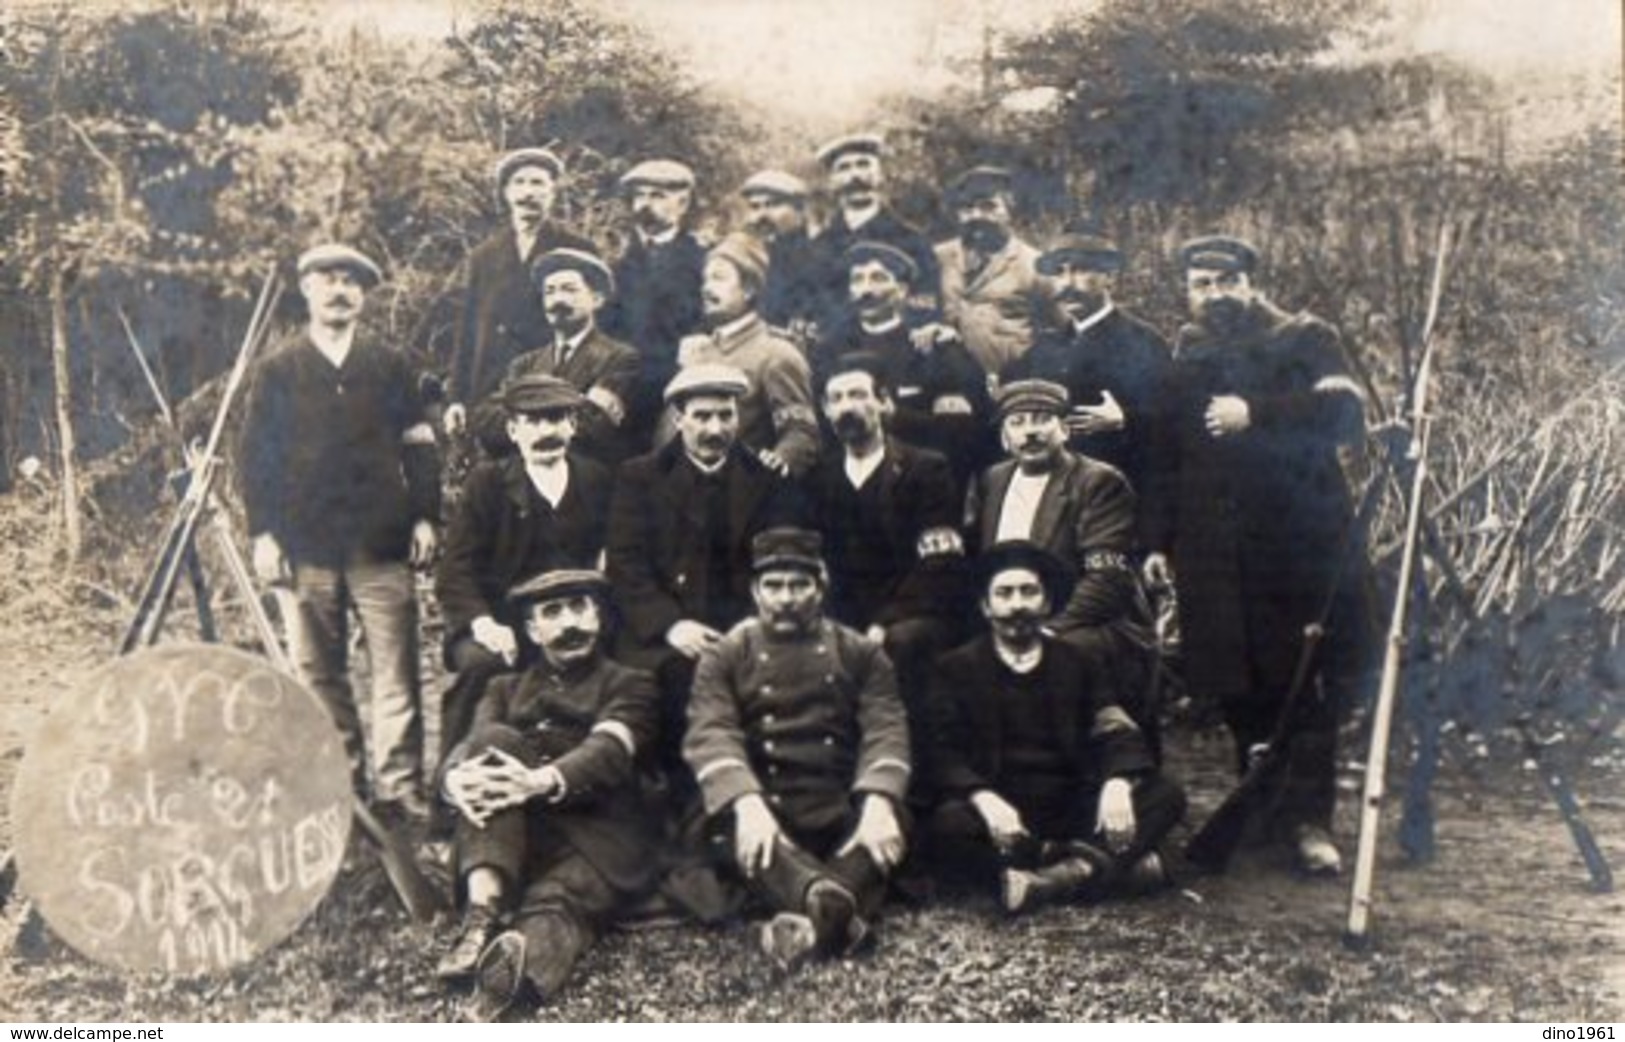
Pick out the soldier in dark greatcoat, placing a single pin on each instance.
(1250, 507)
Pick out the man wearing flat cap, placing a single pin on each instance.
(340, 478)
(1250, 507)
(992, 297)
(554, 841)
(800, 745)
(499, 314)
(680, 526)
(776, 418)
(940, 394)
(1111, 363)
(856, 180)
(776, 213)
(657, 282)
(1081, 512)
(574, 286)
(1049, 787)
(539, 507)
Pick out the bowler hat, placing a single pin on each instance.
(336, 255)
(1022, 553)
(786, 547)
(594, 270)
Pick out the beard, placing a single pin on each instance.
(1078, 304)
(1021, 628)
(984, 236)
(851, 427)
(1224, 316)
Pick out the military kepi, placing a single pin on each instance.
(332, 255)
(1219, 253)
(786, 547)
(1082, 250)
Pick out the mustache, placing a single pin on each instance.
(850, 422)
(548, 443)
(867, 300)
(859, 183)
(575, 638)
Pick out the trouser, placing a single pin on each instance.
(957, 843)
(1307, 791)
(318, 637)
(475, 665)
(913, 645)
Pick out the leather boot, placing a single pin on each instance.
(1022, 890)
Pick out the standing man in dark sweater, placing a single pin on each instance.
(657, 281)
(1047, 780)
(342, 487)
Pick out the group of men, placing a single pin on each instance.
(804, 568)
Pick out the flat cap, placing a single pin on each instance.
(510, 163)
(1093, 252)
(332, 255)
(980, 181)
(706, 378)
(777, 183)
(787, 547)
(660, 173)
(830, 151)
(560, 582)
(594, 270)
(1219, 253)
(744, 252)
(895, 260)
(1020, 553)
(538, 392)
(1031, 396)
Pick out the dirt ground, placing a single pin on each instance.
(1500, 926)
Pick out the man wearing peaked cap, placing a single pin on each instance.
(776, 213)
(340, 479)
(494, 312)
(776, 418)
(657, 280)
(1251, 509)
(1111, 363)
(540, 506)
(554, 842)
(801, 748)
(855, 178)
(992, 297)
(575, 286)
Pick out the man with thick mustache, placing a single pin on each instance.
(801, 749)
(554, 841)
(500, 315)
(1080, 511)
(776, 213)
(574, 286)
(856, 181)
(1048, 785)
(939, 393)
(1250, 507)
(776, 418)
(340, 479)
(1111, 363)
(657, 279)
(992, 297)
(536, 509)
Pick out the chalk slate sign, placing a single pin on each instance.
(182, 810)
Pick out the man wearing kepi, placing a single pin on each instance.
(553, 841)
(799, 743)
(341, 483)
(1046, 781)
(540, 508)
(1250, 507)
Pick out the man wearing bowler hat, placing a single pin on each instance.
(1250, 508)
(341, 482)
(776, 213)
(1047, 782)
(1111, 363)
(657, 281)
(553, 838)
(539, 507)
(575, 285)
(800, 745)
(499, 313)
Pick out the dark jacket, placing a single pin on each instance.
(581, 721)
(657, 303)
(500, 314)
(791, 294)
(877, 574)
(1096, 737)
(834, 274)
(336, 462)
(598, 361)
(505, 532)
(659, 542)
(1119, 354)
(1255, 523)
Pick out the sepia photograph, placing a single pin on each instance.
(806, 511)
